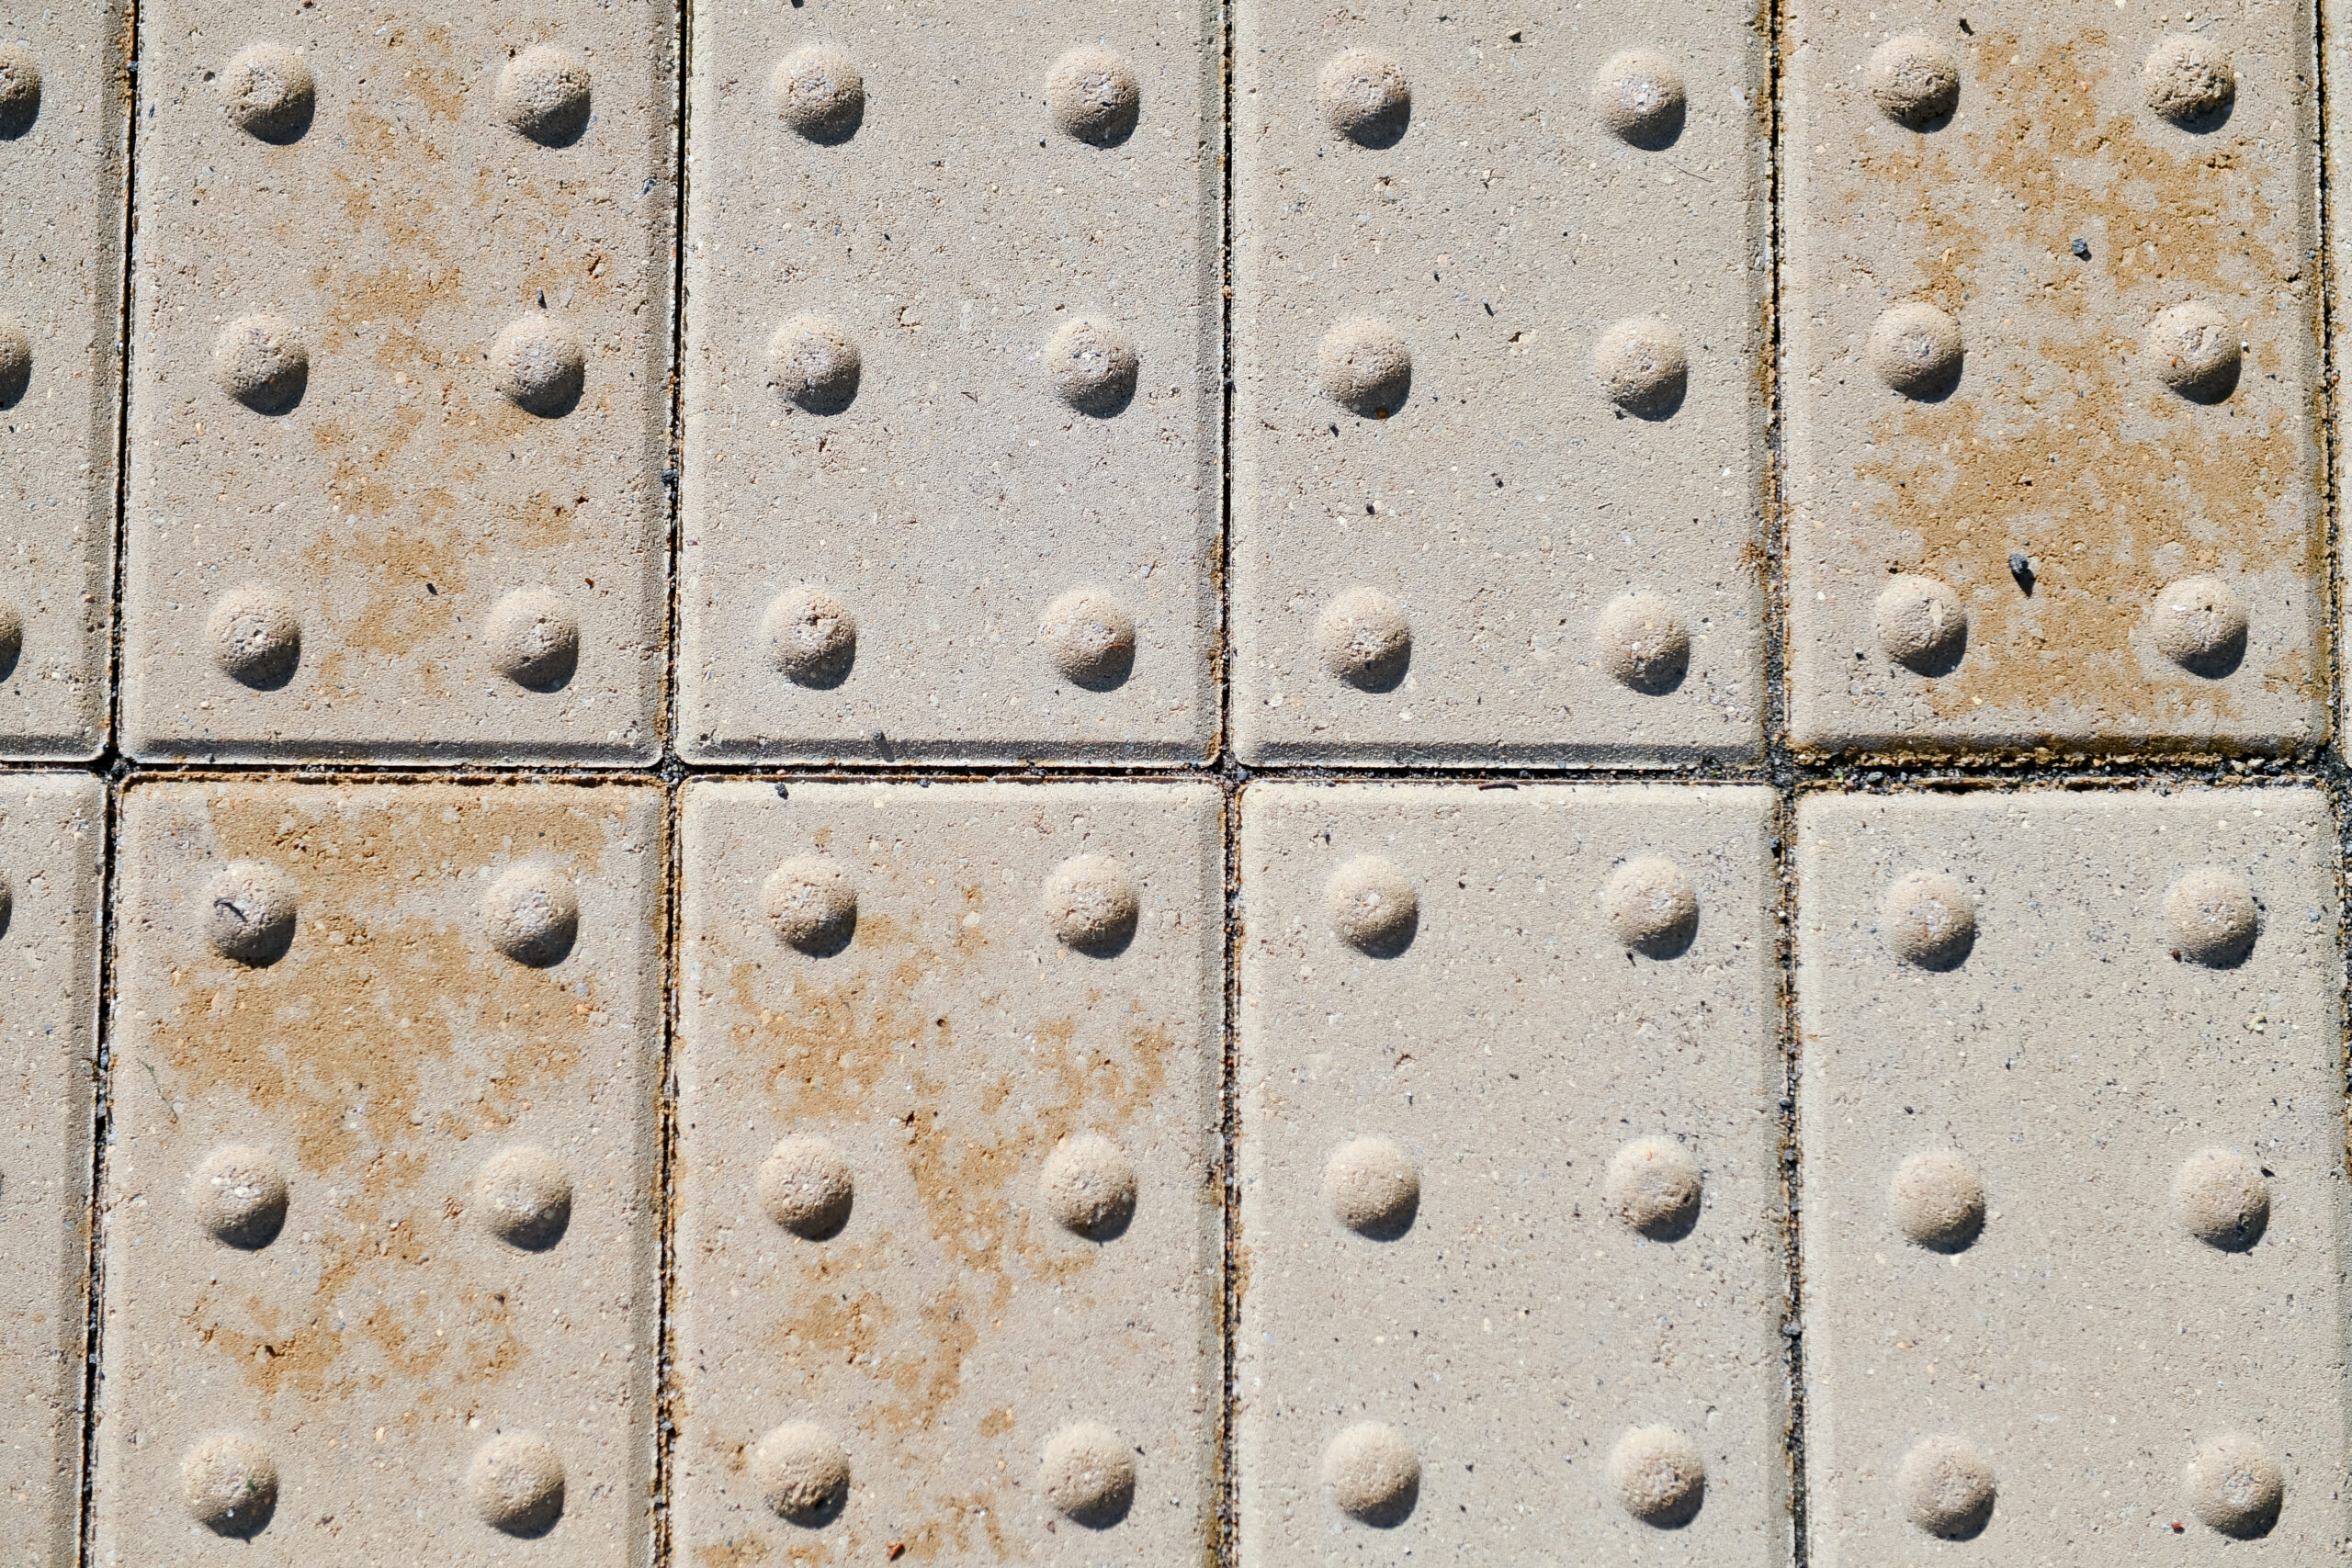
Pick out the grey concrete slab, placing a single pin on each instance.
(400, 409)
(64, 112)
(2053, 379)
(2074, 1196)
(1509, 1259)
(1501, 283)
(953, 393)
(52, 858)
(948, 1183)
(382, 1203)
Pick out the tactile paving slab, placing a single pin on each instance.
(52, 851)
(2051, 318)
(1510, 1256)
(1501, 282)
(2074, 1206)
(64, 108)
(382, 1202)
(952, 394)
(399, 383)
(948, 1193)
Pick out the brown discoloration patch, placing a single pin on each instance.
(386, 1028)
(832, 1053)
(743, 1551)
(2060, 442)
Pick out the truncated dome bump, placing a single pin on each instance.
(531, 913)
(1364, 97)
(516, 1484)
(2235, 1487)
(1947, 1487)
(805, 1186)
(820, 93)
(1659, 1475)
(1373, 1473)
(1088, 1475)
(1092, 904)
(249, 908)
(801, 1471)
(229, 1483)
(1915, 81)
(812, 903)
(1364, 638)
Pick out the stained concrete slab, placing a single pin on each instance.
(2074, 1199)
(948, 1186)
(382, 1203)
(1502, 296)
(2052, 383)
(65, 114)
(1509, 1263)
(399, 384)
(52, 860)
(952, 400)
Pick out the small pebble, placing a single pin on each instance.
(2081, 249)
(2022, 567)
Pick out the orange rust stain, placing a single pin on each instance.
(2146, 487)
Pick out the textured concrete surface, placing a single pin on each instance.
(381, 1201)
(63, 108)
(2074, 1198)
(2039, 513)
(1509, 1258)
(952, 407)
(398, 403)
(1500, 285)
(949, 1191)
(52, 856)
(672, 899)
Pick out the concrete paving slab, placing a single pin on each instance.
(1511, 1260)
(953, 394)
(1501, 286)
(52, 856)
(400, 404)
(948, 1192)
(65, 111)
(2074, 1201)
(2053, 379)
(382, 1206)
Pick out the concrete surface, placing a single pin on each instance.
(712, 922)
(1509, 1260)
(953, 465)
(1561, 535)
(948, 1198)
(373, 551)
(2055, 482)
(382, 1200)
(53, 859)
(2122, 1271)
(64, 111)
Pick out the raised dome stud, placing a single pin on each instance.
(1372, 1474)
(543, 94)
(819, 94)
(1638, 96)
(1365, 97)
(1915, 81)
(269, 93)
(1091, 96)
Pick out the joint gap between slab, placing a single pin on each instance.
(665, 1123)
(674, 479)
(101, 1068)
